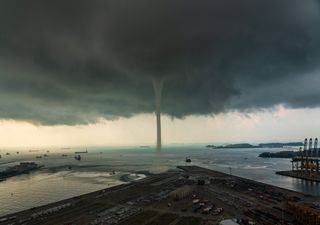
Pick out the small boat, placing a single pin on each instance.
(188, 160)
(64, 155)
(38, 157)
(77, 157)
(7, 153)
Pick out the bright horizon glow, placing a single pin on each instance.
(281, 124)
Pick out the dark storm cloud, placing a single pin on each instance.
(73, 61)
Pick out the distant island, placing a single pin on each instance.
(263, 145)
(281, 154)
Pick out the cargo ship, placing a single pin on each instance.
(84, 152)
(22, 168)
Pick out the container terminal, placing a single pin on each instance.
(306, 165)
(188, 195)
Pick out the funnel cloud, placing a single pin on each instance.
(76, 61)
(158, 86)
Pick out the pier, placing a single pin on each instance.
(307, 164)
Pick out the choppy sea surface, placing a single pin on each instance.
(64, 177)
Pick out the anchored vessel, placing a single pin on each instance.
(86, 151)
(23, 167)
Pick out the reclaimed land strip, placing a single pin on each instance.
(190, 195)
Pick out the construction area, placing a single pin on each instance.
(190, 195)
(307, 164)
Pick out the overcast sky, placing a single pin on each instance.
(78, 71)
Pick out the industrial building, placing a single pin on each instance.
(181, 192)
(305, 214)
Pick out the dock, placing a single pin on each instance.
(306, 165)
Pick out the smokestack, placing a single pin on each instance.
(300, 151)
(315, 148)
(310, 147)
(305, 146)
(157, 85)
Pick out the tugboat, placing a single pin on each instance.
(188, 160)
(77, 157)
(23, 167)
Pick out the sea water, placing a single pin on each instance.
(64, 177)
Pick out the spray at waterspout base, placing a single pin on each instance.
(158, 165)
